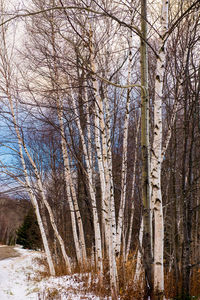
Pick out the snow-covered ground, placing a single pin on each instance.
(17, 281)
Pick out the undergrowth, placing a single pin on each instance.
(173, 286)
(129, 289)
(89, 282)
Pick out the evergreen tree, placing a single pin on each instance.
(28, 234)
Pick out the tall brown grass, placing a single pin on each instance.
(173, 286)
(128, 288)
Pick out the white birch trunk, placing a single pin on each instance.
(103, 182)
(107, 192)
(123, 178)
(39, 182)
(145, 149)
(132, 194)
(71, 193)
(31, 194)
(107, 199)
(139, 266)
(41, 227)
(98, 246)
(51, 216)
(72, 200)
(156, 163)
(108, 185)
(101, 175)
(33, 199)
(124, 155)
(106, 208)
(109, 157)
(88, 127)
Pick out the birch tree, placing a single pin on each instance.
(124, 152)
(106, 188)
(156, 161)
(50, 54)
(6, 70)
(146, 197)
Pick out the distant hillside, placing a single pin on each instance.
(12, 213)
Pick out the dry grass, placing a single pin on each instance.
(173, 288)
(42, 270)
(128, 288)
(195, 282)
(52, 294)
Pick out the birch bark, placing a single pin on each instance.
(109, 157)
(30, 192)
(101, 171)
(147, 214)
(99, 112)
(157, 161)
(89, 174)
(51, 216)
(6, 74)
(80, 248)
(71, 195)
(132, 195)
(139, 266)
(39, 219)
(124, 155)
(39, 182)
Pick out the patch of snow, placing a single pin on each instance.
(13, 276)
(68, 287)
(17, 281)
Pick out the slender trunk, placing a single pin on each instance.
(51, 216)
(106, 194)
(106, 208)
(31, 194)
(123, 178)
(147, 213)
(174, 205)
(109, 157)
(108, 185)
(157, 161)
(187, 203)
(124, 156)
(89, 173)
(132, 194)
(39, 182)
(139, 266)
(71, 195)
(41, 227)
(184, 287)
(105, 213)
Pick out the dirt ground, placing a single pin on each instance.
(7, 251)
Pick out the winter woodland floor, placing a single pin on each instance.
(18, 279)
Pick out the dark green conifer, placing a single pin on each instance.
(28, 234)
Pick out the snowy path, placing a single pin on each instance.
(13, 280)
(16, 281)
